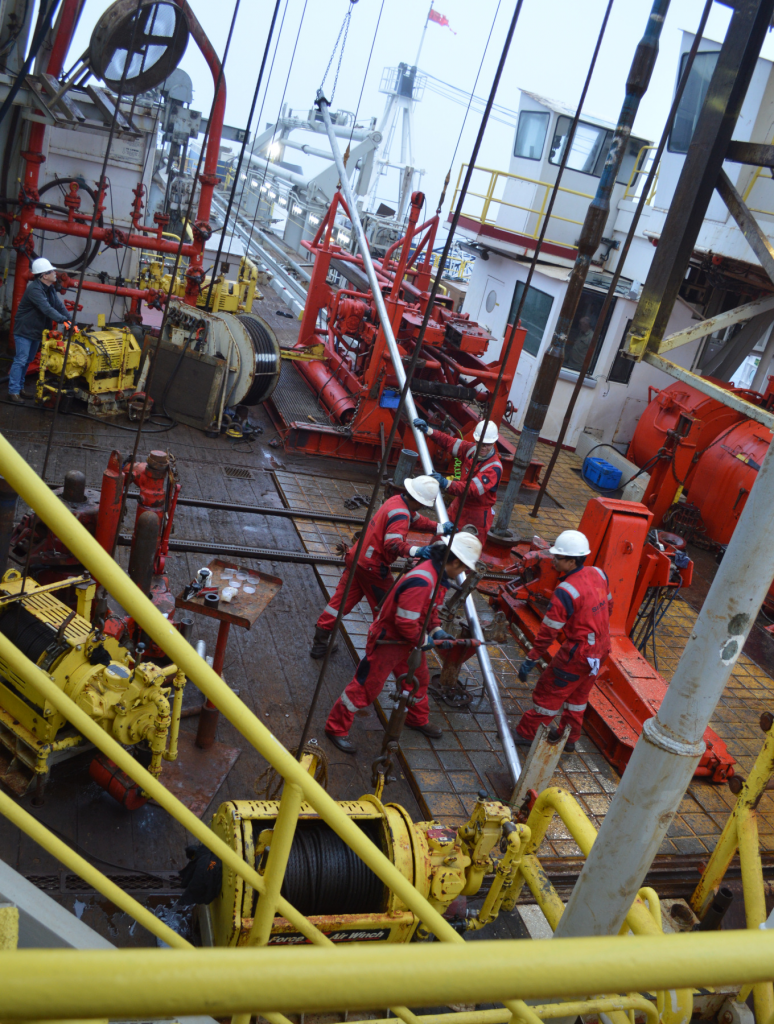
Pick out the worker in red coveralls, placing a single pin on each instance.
(385, 540)
(395, 632)
(580, 607)
(485, 473)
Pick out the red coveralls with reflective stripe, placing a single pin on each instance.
(482, 495)
(581, 607)
(400, 621)
(385, 541)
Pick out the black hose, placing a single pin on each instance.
(45, 20)
(86, 256)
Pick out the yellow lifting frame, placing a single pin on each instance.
(76, 538)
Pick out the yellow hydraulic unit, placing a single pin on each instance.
(129, 701)
(327, 882)
(101, 369)
(228, 296)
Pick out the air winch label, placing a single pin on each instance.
(361, 935)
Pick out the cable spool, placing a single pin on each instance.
(267, 359)
(324, 876)
(26, 632)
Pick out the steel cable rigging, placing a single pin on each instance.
(410, 370)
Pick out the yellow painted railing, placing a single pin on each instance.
(77, 984)
(492, 204)
(640, 169)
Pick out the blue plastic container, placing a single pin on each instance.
(389, 399)
(602, 474)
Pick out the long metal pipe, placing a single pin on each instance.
(671, 743)
(490, 682)
(145, 983)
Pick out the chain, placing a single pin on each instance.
(345, 29)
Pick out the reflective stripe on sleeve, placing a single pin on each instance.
(480, 487)
(570, 590)
(545, 711)
(404, 613)
(393, 536)
(575, 707)
(600, 572)
(348, 703)
(552, 623)
(456, 447)
(419, 572)
(369, 551)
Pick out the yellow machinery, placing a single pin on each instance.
(228, 296)
(128, 701)
(339, 893)
(101, 366)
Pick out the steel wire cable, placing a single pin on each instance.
(345, 29)
(646, 189)
(411, 369)
(365, 75)
(70, 331)
(515, 319)
(258, 123)
(279, 114)
(266, 49)
(172, 280)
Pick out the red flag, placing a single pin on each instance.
(440, 19)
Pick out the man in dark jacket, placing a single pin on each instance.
(39, 307)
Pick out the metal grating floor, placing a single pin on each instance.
(293, 399)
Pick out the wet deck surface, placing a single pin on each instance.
(271, 668)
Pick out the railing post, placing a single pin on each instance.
(274, 875)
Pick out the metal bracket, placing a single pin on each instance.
(539, 766)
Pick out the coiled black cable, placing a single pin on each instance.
(325, 876)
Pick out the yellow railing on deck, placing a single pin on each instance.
(488, 215)
(640, 169)
(130, 983)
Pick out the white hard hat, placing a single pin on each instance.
(466, 547)
(491, 432)
(423, 488)
(41, 266)
(571, 544)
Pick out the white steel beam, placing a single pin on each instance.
(717, 323)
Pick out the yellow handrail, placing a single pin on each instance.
(43, 837)
(141, 983)
(640, 169)
(489, 198)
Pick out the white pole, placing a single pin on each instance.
(422, 37)
(490, 682)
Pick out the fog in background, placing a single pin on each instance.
(549, 55)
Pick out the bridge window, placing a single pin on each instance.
(692, 99)
(531, 134)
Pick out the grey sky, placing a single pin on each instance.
(549, 55)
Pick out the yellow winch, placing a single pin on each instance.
(327, 882)
(101, 368)
(129, 701)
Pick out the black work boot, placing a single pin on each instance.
(344, 743)
(320, 643)
(554, 735)
(431, 731)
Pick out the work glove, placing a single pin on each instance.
(447, 529)
(443, 483)
(525, 668)
(421, 552)
(422, 426)
(442, 639)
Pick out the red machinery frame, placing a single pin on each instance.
(629, 689)
(355, 372)
(78, 224)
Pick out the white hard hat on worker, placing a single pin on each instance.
(490, 435)
(571, 544)
(466, 547)
(423, 488)
(41, 266)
